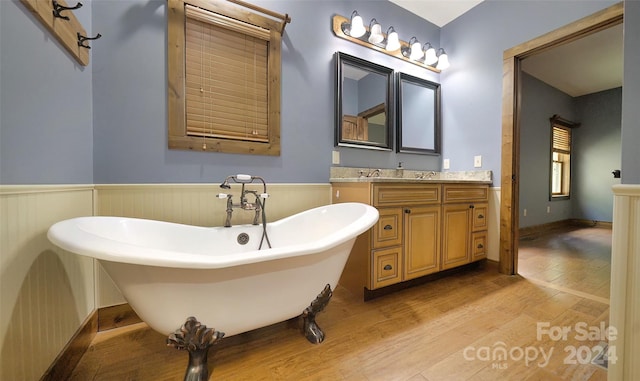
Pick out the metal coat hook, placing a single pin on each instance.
(82, 39)
(57, 8)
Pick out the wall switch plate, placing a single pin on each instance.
(445, 164)
(477, 161)
(335, 157)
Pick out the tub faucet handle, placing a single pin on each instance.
(222, 195)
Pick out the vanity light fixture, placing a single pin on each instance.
(443, 60)
(393, 42)
(375, 36)
(355, 28)
(388, 43)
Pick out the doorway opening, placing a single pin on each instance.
(511, 111)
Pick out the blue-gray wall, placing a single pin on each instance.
(46, 133)
(596, 153)
(539, 102)
(106, 123)
(130, 97)
(369, 91)
(631, 94)
(472, 86)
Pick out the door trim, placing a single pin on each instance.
(511, 97)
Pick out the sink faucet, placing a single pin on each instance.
(374, 173)
(429, 175)
(244, 203)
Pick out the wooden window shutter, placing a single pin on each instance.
(226, 77)
(223, 89)
(561, 139)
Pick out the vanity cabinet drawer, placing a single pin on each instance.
(479, 217)
(478, 246)
(387, 268)
(388, 230)
(405, 194)
(455, 193)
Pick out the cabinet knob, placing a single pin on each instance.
(480, 216)
(388, 267)
(471, 206)
(388, 227)
(480, 246)
(407, 211)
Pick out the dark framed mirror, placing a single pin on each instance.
(364, 103)
(419, 127)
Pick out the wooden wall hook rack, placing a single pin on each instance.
(64, 27)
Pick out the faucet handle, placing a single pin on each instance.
(222, 195)
(264, 195)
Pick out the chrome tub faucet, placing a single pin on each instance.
(257, 205)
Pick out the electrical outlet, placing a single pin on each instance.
(335, 157)
(548, 209)
(477, 161)
(525, 213)
(445, 164)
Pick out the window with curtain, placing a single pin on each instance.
(223, 78)
(560, 181)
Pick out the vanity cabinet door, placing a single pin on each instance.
(456, 228)
(421, 241)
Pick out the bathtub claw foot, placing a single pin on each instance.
(311, 330)
(197, 339)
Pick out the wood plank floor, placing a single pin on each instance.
(443, 330)
(574, 258)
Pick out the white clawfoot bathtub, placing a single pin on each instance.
(168, 272)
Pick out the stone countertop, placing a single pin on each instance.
(370, 175)
(403, 180)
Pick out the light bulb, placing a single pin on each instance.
(416, 50)
(357, 25)
(443, 60)
(430, 55)
(393, 42)
(375, 35)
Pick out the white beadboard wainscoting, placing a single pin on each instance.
(45, 293)
(195, 204)
(625, 283)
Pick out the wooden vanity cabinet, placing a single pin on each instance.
(422, 229)
(417, 210)
(464, 224)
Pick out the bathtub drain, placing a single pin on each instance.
(243, 238)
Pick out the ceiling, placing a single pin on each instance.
(439, 12)
(584, 66)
